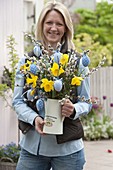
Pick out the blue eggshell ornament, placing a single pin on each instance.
(40, 107)
(57, 56)
(58, 85)
(29, 96)
(85, 60)
(37, 51)
(39, 104)
(33, 68)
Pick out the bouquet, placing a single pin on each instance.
(54, 76)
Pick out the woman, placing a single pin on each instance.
(38, 151)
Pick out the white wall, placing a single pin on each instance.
(8, 123)
(28, 15)
(11, 22)
(38, 7)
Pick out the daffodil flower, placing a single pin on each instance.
(56, 71)
(76, 81)
(64, 59)
(26, 66)
(47, 85)
(32, 80)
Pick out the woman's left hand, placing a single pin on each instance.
(67, 108)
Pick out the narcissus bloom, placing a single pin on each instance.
(47, 85)
(64, 59)
(26, 66)
(56, 70)
(32, 80)
(76, 81)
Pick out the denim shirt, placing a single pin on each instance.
(47, 145)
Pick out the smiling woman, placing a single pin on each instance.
(52, 71)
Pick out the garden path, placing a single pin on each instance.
(99, 155)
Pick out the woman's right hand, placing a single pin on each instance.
(39, 123)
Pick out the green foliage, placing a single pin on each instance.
(104, 36)
(87, 17)
(11, 151)
(97, 51)
(3, 88)
(8, 76)
(104, 13)
(98, 24)
(9, 73)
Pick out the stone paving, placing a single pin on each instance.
(99, 155)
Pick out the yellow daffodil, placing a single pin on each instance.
(56, 71)
(47, 85)
(64, 59)
(32, 80)
(26, 66)
(76, 81)
(61, 70)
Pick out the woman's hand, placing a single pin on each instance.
(67, 108)
(39, 123)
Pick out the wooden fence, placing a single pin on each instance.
(101, 85)
(8, 123)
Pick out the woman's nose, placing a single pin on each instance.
(53, 27)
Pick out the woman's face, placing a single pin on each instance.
(53, 28)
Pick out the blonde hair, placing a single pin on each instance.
(59, 7)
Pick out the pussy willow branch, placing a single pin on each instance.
(96, 68)
(42, 47)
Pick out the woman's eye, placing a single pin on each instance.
(49, 23)
(59, 24)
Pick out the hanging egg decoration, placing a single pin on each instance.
(85, 59)
(57, 56)
(33, 68)
(58, 85)
(40, 107)
(39, 104)
(37, 50)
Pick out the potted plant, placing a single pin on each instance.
(9, 155)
